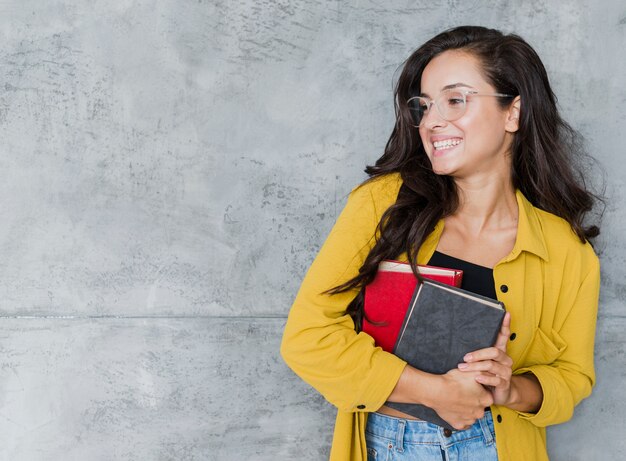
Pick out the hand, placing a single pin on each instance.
(459, 399)
(493, 365)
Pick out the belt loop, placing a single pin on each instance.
(484, 426)
(400, 436)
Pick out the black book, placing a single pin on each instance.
(442, 324)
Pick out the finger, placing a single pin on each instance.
(488, 366)
(489, 353)
(505, 332)
(461, 426)
(493, 381)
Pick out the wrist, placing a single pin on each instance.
(514, 393)
(526, 394)
(411, 387)
(428, 388)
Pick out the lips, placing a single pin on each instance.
(442, 144)
(446, 143)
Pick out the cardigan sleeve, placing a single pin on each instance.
(319, 341)
(570, 378)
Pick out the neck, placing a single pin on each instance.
(487, 203)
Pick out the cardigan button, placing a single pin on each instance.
(361, 407)
(504, 288)
(513, 336)
(499, 418)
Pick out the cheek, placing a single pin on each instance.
(484, 133)
(424, 136)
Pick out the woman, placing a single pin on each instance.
(476, 175)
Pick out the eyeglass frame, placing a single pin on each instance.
(464, 92)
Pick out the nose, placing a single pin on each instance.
(433, 118)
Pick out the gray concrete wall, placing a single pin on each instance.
(169, 169)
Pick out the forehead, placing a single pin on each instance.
(450, 68)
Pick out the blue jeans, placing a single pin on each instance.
(396, 439)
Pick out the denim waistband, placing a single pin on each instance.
(405, 431)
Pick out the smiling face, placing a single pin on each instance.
(478, 143)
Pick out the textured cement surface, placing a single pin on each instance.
(169, 169)
(166, 389)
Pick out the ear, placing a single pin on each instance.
(512, 115)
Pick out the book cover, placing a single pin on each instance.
(442, 324)
(388, 296)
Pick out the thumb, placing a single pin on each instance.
(505, 332)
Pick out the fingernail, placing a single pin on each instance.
(463, 365)
(467, 357)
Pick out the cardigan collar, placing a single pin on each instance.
(529, 238)
(529, 231)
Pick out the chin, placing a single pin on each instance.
(443, 170)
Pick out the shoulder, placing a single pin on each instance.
(366, 204)
(368, 201)
(381, 191)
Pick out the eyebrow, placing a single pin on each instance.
(448, 87)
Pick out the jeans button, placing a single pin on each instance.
(447, 432)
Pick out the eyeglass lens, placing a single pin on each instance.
(449, 104)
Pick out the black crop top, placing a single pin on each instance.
(477, 279)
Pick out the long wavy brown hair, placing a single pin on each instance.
(545, 152)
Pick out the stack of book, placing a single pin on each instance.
(429, 324)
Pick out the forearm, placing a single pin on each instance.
(412, 386)
(415, 386)
(455, 396)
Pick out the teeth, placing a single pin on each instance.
(446, 144)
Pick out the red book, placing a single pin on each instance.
(388, 297)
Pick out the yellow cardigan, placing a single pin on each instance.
(549, 282)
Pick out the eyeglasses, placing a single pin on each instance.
(450, 104)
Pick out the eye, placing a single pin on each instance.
(419, 104)
(422, 105)
(454, 99)
(418, 107)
